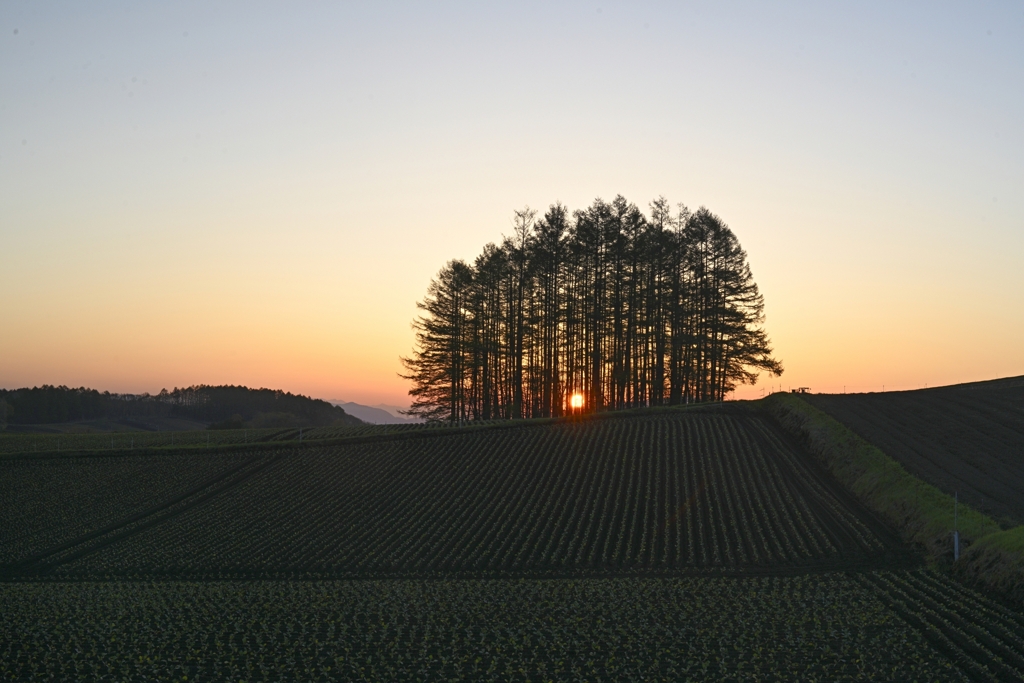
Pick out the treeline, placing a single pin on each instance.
(48, 404)
(260, 407)
(607, 304)
(216, 404)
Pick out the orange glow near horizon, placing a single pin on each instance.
(576, 401)
(265, 207)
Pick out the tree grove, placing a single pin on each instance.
(606, 303)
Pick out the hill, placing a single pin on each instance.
(50, 409)
(967, 438)
(377, 415)
(679, 491)
(699, 543)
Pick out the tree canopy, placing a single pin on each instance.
(605, 303)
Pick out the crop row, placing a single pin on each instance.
(984, 638)
(653, 494)
(379, 430)
(128, 441)
(46, 502)
(820, 627)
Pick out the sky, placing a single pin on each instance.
(259, 193)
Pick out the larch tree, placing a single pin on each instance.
(605, 303)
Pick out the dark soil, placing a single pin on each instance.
(967, 438)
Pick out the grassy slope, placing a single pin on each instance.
(922, 513)
(997, 561)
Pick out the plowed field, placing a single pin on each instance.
(967, 438)
(697, 544)
(720, 491)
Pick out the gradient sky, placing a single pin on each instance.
(259, 193)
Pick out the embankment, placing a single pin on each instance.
(921, 513)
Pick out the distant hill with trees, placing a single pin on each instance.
(217, 406)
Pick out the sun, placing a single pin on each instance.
(576, 401)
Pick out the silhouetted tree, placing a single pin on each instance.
(626, 310)
(439, 368)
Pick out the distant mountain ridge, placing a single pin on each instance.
(381, 414)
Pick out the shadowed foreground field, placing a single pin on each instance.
(691, 544)
(820, 627)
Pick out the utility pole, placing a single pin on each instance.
(956, 532)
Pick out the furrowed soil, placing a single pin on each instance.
(967, 438)
(691, 544)
(705, 492)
